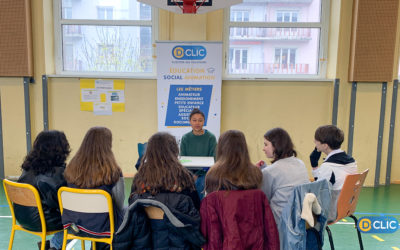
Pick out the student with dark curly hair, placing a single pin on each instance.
(44, 168)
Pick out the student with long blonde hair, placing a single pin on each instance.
(163, 180)
(233, 169)
(235, 213)
(161, 171)
(94, 167)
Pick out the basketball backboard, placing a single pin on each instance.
(191, 6)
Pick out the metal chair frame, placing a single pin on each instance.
(26, 195)
(73, 197)
(347, 203)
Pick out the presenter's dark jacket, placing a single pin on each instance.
(47, 185)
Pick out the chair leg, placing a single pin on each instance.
(358, 232)
(93, 245)
(11, 239)
(64, 245)
(83, 244)
(330, 237)
(43, 246)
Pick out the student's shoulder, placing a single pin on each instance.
(340, 159)
(187, 135)
(209, 134)
(299, 162)
(272, 169)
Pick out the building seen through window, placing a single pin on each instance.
(105, 36)
(275, 37)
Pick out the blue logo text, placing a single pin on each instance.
(378, 224)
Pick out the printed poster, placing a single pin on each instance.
(102, 96)
(189, 75)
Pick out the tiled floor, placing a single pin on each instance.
(373, 201)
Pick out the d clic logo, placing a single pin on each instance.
(189, 52)
(378, 224)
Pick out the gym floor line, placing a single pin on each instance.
(380, 201)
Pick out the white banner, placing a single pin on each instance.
(189, 76)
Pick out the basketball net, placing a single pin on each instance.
(189, 6)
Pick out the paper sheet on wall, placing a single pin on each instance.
(102, 96)
(102, 108)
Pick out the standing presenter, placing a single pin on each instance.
(198, 142)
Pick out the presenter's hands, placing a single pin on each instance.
(260, 163)
(314, 157)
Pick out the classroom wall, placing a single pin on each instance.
(250, 106)
(13, 125)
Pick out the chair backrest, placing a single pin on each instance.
(348, 197)
(86, 201)
(23, 194)
(141, 149)
(154, 213)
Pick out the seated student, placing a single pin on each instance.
(337, 164)
(233, 169)
(163, 179)
(43, 168)
(198, 142)
(235, 214)
(94, 166)
(285, 172)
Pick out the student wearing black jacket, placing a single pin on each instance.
(43, 168)
(163, 180)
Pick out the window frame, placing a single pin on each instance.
(323, 26)
(58, 45)
(107, 11)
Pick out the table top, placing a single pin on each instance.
(197, 161)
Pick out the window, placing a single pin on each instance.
(282, 39)
(240, 16)
(285, 62)
(104, 37)
(238, 60)
(69, 56)
(286, 16)
(105, 12)
(67, 12)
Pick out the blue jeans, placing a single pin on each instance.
(200, 184)
(57, 240)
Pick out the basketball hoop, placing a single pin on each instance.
(189, 6)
